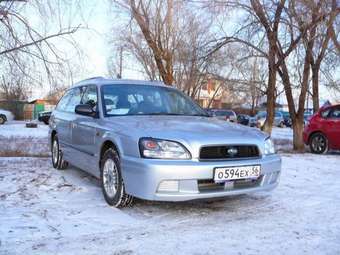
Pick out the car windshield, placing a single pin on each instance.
(127, 99)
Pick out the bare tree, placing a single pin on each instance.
(286, 27)
(305, 31)
(169, 43)
(322, 47)
(29, 49)
(155, 20)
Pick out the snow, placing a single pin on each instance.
(17, 140)
(283, 139)
(45, 211)
(17, 129)
(282, 133)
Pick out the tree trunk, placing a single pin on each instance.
(268, 125)
(315, 85)
(298, 143)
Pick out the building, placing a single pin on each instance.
(32, 108)
(213, 92)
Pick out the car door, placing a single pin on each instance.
(63, 117)
(84, 130)
(333, 128)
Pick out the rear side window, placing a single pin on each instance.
(335, 113)
(75, 98)
(64, 100)
(325, 113)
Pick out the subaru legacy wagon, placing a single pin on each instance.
(149, 140)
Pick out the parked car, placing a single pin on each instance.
(44, 116)
(5, 116)
(306, 117)
(261, 118)
(243, 119)
(287, 121)
(222, 114)
(322, 132)
(148, 140)
(253, 121)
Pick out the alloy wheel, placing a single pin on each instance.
(55, 152)
(110, 178)
(319, 144)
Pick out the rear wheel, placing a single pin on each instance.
(57, 155)
(318, 143)
(112, 181)
(2, 119)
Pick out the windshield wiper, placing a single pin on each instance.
(164, 113)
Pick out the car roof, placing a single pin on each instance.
(104, 81)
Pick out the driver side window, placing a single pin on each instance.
(90, 97)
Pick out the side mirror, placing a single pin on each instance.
(86, 110)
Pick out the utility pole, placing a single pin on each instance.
(120, 74)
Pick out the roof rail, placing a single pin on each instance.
(96, 77)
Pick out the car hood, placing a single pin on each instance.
(191, 131)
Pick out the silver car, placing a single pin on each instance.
(278, 119)
(148, 140)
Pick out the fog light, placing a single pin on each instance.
(168, 186)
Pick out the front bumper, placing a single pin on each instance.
(144, 178)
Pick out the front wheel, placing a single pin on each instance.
(318, 143)
(57, 156)
(112, 181)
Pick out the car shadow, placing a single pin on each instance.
(236, 204)
(144, 209)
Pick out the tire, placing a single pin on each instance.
(57, 155)
(112, 181)
(318, 143)
(282, 125)
(2, 119)
(45, 122)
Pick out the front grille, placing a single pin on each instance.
(225, 152)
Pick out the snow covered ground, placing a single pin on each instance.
(17, 140)
(45, 211)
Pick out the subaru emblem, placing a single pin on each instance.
(232, 151)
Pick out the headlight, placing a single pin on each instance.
(269, 146)
(162, 149)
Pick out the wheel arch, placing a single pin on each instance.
(105, 146)
(53, 133)
(316, 132)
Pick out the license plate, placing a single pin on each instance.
(237, 172)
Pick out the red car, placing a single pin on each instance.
(322, 133)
